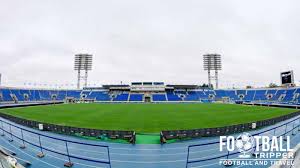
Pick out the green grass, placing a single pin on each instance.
(147, 139)
(147, 118)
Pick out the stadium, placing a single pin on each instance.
(183, 110)
(140, 124)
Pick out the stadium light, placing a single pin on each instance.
(212, 62)
(83, 62)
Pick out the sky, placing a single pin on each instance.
(148, 40)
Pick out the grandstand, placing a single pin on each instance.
(154, 93)
(137, 92)
(68, 150)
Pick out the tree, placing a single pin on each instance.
(204, 85)
(273, 85)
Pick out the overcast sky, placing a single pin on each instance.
(153, 40)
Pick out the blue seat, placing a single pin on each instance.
(191, 96)
(232, 95)
(289, 95)
(221, 93)
(44, 95)
(159, 97)
(99, 96)
(73, 94)
(249, 95)
(16, 92)
(61, 95)
(136, 97)
(278, 94)
(6, 95)
(121, 97)
(202, 95)
(260, 95)
(173, 97)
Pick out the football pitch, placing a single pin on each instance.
(146, 118)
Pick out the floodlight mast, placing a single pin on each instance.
(212, 62)
(83, 62)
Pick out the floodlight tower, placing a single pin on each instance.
(212, 62)
(83, 62)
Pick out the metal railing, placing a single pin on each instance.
(228, 154)
(43, 148)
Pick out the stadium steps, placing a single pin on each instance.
(166, 97)
(128, 97)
